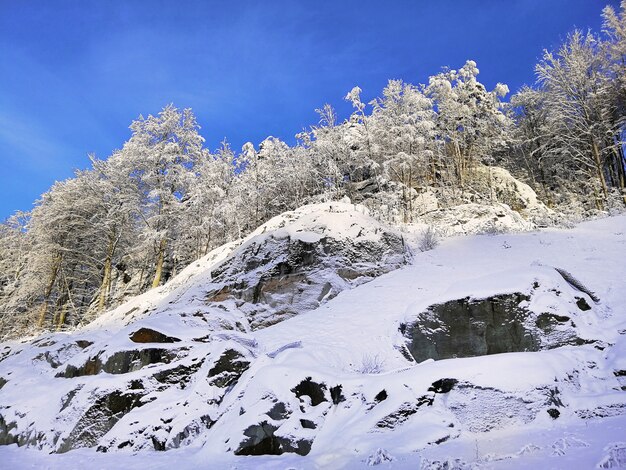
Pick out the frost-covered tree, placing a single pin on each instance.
(358, 135)
(569, 126)
(532, 138)
(402, 124)
(209, 217)
(65, 266)
(614, 48)
(118, 207)
(328, 150)
(160, 159)
(469, 119)
(15, 246)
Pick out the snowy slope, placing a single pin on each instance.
(338, 383)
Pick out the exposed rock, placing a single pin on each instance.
(554, 413)
(379, 457)
(468, 327)
(547, 321)
(191, 430)
(403, 413)
(614, 457)
(67, 399)
(99, 418)
(442, 385)
(262, 441)
(179, 375)
(308, 424)
(228, 368)
(92, 366)
(582, 304)
(6, 436)
(381, 396)
(123, 362)
(278, 412)
(4, 353)
(120, 362)
(576, 284)
(501, 323)
(282, 272)
(335, 394)
(497, 184)
(311, 389)
(147, 335)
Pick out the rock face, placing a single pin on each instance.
(99, 418)
(502, 323)
(506, 189)
(120, 362)
(294, 265)
(262, 441)
(472, 327)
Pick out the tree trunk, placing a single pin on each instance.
(621, 172)
(48, 290)
(159, 264)
(459, 163)
(61, 321)
(105, 288)
(598, 162)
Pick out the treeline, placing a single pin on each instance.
(135, 219)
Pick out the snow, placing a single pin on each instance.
(497, 412)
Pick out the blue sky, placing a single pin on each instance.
(74, 74)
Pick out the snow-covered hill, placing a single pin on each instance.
(273, 352)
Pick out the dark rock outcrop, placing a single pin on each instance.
(404, 412)
(228, 368)
(498, 324)
(120, 362)
(99, 418)
(147, 335)
(315, 391)
(6, 435)
(262, 441)
(336, 394)
(443, 385)
(180, 375)
(468, 327)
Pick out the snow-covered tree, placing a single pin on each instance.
(160, 159)
(328, 151)
(402, 125)
(15, 246)
(576, 105)
(469, 122)
(614, 48)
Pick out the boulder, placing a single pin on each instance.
(148, 335)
